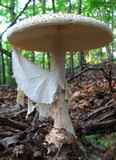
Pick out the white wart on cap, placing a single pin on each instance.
(76, 32)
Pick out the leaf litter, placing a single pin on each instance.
(92, 107)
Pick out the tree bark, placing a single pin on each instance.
(43, 60)
(33, 53)
(81, 53)
(108, 52)
(79, 6)
(44, 6)
(12, 13)
(70, 6)
(81, 60)
(53, 6)
(3, 66)
(8, 122)
(99, 127)
(48, 58)
(34, 7)
(71, 63)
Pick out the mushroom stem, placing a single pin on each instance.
(60, 114)
(58, 64)
(60, 106)
(62, 121)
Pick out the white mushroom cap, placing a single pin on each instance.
(74, 32)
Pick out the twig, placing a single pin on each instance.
(21, 112)
(99, 126)
(107, 116)
(8, 122)
(35, 119)
(6, 52)
(85, 70)
(95, 113)
(15, 18)
(6, 98)
(4, 6)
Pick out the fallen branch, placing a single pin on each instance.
(8, 122)
(113, 115)
(8, 98)
(99, 127)
(87, 69)
(24, 111)
(95, 113)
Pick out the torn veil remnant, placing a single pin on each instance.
(20, 96)
(56, 33)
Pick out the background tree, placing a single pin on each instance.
(12, 11)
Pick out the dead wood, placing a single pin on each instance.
(113, 115)
(8, 98)
(21, 112)
(10, 123)
(98, 127)
(88, 69)
(95, 113)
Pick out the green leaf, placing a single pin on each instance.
(92, 136)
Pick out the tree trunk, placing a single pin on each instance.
(44, 6)
(33, 53)
(79, 6)
(12, 13)
(53, 6)
(108, 52)
(81, 53)
(113, 23)
(43, 61)
(70, 6)
(33, 56)
(3, 69)
(81, 60)
(34, 7)
(3, 76)
(48, 58)
(100, 55)
(71, 63)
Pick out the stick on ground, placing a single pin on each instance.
(8, 122)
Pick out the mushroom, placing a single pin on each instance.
(56, 33)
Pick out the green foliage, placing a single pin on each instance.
(96, 56)
(8, 79)
(104, 140)
(92, 136)
(108, 140)
(100, 9)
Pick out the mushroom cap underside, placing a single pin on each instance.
(49, 31)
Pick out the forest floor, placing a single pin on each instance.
(92, 107)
